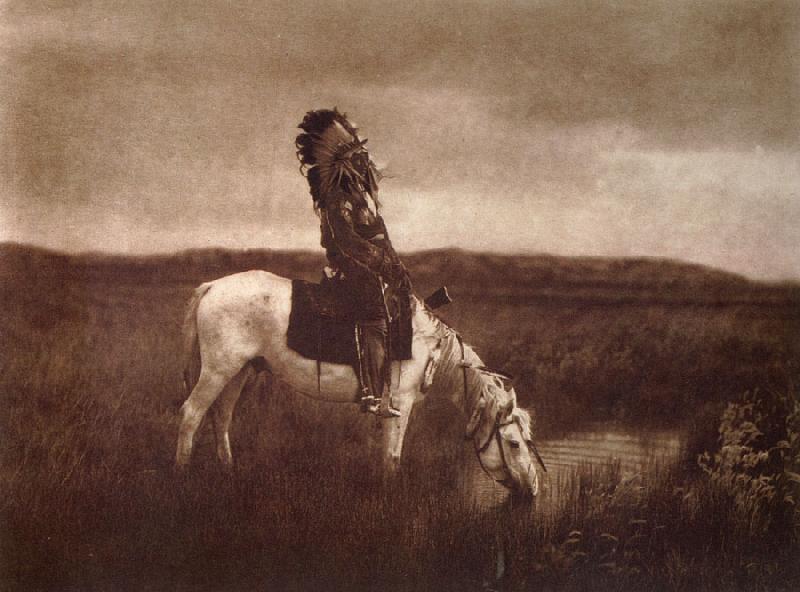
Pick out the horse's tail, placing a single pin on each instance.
(191, 345)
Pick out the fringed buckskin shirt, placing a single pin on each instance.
(355, 235)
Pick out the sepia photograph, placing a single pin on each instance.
(374, 296)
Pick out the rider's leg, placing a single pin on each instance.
(374, 334)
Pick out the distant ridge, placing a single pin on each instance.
(470, 274)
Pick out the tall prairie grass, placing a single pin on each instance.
(90, 387)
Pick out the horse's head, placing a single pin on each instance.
(501, 432)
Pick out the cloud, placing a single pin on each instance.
(575, 127)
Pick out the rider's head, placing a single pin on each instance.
(333, 157)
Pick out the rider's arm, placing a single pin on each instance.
(363, 252)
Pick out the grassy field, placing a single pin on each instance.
(90, 387)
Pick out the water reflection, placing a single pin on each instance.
(603, 444)
(595, 448)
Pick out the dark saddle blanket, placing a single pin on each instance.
(322, 328)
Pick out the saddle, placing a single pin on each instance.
(321, 325)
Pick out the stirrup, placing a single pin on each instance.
(367, 402)
(384, 411)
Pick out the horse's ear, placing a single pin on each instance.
(506, 401)
(513, 395)
(507, 407)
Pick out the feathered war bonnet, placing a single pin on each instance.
(333, 157)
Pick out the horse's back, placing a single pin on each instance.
(249, 282)
(239, 306)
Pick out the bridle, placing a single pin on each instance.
(481, 448)
(498, 424)
(495, 433)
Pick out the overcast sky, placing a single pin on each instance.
(666, 129)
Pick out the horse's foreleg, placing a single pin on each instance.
(194, 409)
(222, 414)
(394, 432)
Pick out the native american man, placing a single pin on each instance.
(362, 262)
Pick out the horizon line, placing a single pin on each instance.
(528, 254)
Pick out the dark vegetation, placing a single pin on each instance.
(90, 386)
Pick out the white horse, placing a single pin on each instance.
(238, 320)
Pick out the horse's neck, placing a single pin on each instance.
(464, 385)
(474, 379)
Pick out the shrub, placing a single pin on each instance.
(758, 462)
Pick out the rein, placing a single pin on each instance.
(481, 448)
(495, 433)
(463, 363)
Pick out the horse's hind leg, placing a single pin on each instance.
(204, 393)
(222, 414)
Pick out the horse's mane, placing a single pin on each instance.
(450, 373)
